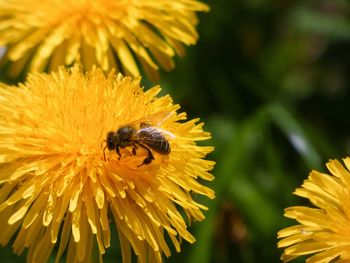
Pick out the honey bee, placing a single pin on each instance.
(148, 137)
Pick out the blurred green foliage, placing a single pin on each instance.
(271, 81)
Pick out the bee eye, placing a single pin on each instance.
(110, 140)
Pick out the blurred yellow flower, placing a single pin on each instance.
(56, 189)
(324, 231)
(42, 34)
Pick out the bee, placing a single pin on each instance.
(147, 137)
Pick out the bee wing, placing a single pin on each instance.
(154, 119)
(166, 133)
(150, 133)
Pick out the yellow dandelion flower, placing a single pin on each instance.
(323, 232)
(56, 189)
(41, 35)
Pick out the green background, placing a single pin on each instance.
(270, 79)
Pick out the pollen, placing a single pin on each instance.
(41, 35)
(59, 195)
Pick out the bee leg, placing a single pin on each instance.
(149, 157)
(118, 152)
(144, 125)
(134, 148)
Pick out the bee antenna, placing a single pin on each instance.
(104, 149)
(104, 141)
(104, 153)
